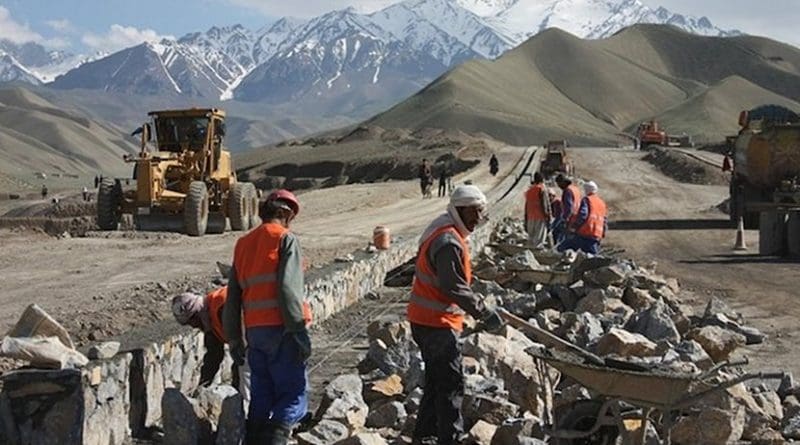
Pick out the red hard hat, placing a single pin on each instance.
(288, 197)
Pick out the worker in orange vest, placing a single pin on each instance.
(589, 228)
(537, 212)
(266, 295)
(440, 295)
(205, 313)
(570, 202)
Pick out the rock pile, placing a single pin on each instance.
(609, 306)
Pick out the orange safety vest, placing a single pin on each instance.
(428, 305)
(256, 258)
(593, 226)
(534, 210)
(214, 302)
(576, 202)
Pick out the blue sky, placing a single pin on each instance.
(108, 25)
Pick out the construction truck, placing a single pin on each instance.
(556, 159)
(651, 133)
(765, 184)
(184, 182)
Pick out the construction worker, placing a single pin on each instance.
(494, 165)
(44, 191)
(205, 313)
(425, 178)
(440, 295)
(537, 212)
(570, 201)
(589, 228)
(266, 286)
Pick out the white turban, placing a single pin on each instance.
(187, 305)
(467, 196)
(590, 187)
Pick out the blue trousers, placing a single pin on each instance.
(577, 242)
(278, 381)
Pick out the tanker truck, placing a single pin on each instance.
(765, 184)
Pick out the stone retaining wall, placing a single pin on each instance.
(112, 400)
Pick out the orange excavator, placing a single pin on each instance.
(650, 133)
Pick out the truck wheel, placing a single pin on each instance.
(255, 220)
(238, 207)
(195, 209)
(108, 201)
(772, 238)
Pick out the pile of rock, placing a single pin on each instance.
(609, 306)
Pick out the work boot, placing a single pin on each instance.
(279, 434)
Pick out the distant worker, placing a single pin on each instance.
(494, 165)
(44, 191)
(589, 228)
(425, 178)
(266, 285)
(537, 212)
(205, 313)
(85, 194)
(96, 181)
(440, 295)
(444, 181)
(570, 202)
(636, 143)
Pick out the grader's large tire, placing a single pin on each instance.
(195, 209)
(252, 194)
(238, 207)
(108, 201)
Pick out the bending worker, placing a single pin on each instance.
(589, 228)
(266, 286)
(205, 313)
(570, 201)
(537, 212)
(440, 295)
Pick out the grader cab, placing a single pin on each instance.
(185, 179)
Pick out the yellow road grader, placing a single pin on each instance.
(184, 182)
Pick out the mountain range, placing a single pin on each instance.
(559, 86)
(340, 62)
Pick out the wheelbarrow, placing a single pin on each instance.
(630, 394)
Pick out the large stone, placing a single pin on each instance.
(524, 260)
(654, 323)
(625, 344)
(212, 399)
(606, 276)
(481, 433)
(389, 415)
(598, 302)
(506, 356)
(752, 335)
(344, 403)
(711, 426)
(325, 432)
(387, 388)
(103, 350)
(231, 424)
(716, 306)
(638, 299)
(184, 422)
(690, 351)
(719, 343)
(363, 439)
(492, 409)
(580, 329)
(518, 431)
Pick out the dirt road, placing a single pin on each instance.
(102, 282)
(678, 226)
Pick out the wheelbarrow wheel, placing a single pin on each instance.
(582, 415)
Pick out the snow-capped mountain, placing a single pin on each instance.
(11, 70)
(344, 55)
